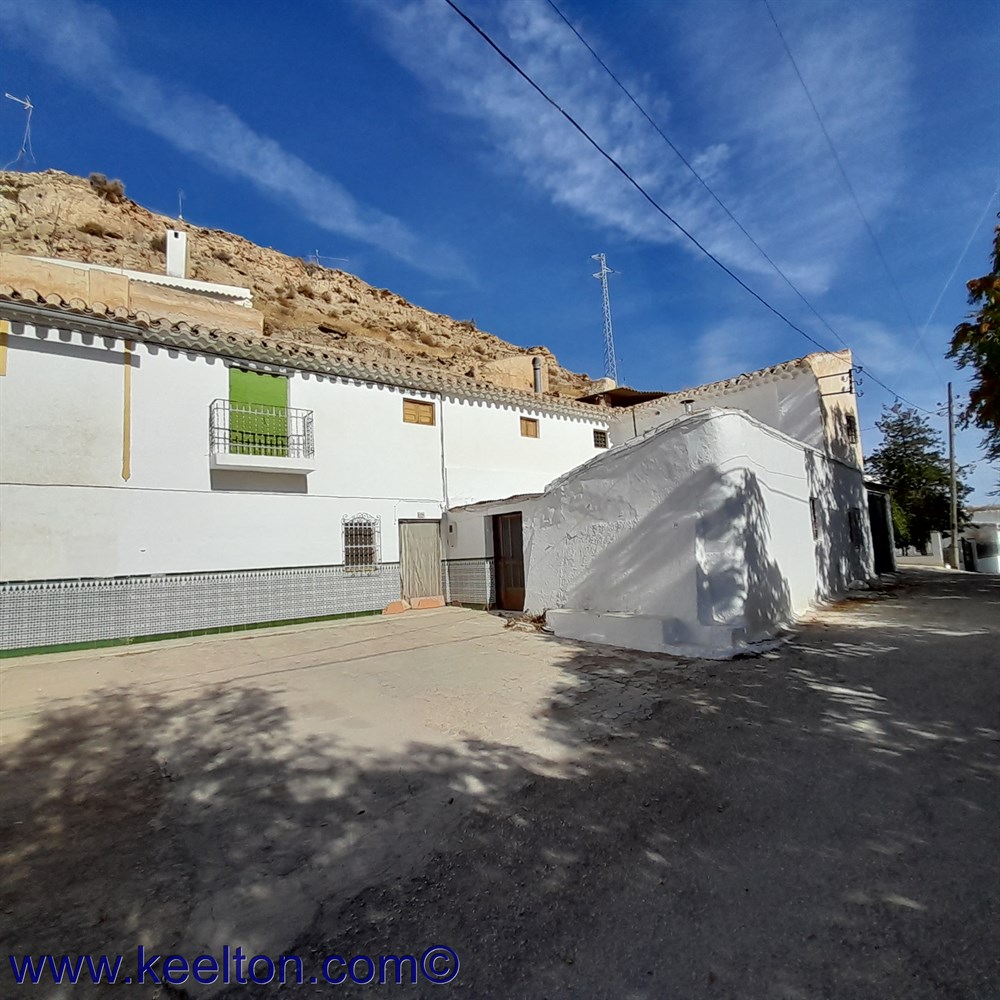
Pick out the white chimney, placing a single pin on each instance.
(177, 253)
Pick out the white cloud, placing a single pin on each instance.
(744, 121)
(784, 181)
(728, 348)
(80, 40)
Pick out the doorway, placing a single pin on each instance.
(880, 515)
(508, 561)
(419, 559)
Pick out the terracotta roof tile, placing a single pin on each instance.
(183, 335)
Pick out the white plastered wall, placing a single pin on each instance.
(700, 533)
(468, 532)
(788, 401)
(487, 458)
(68, 512)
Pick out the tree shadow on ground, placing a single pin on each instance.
(815, 823)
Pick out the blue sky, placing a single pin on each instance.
(389, 134)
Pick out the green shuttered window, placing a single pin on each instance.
(258, 405)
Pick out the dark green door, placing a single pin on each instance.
(258, 413)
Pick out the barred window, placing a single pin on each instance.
(362, 542)
(600, 439)
(851, 425)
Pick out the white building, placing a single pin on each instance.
(702, 535)
(810, 399)
(981, 539)
(165, 467)
(160, 477)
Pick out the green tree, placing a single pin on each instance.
(912, 463)
(976, 345)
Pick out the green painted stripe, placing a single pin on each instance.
(69, 647)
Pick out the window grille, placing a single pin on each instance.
(416, 411)
(362, 543)
(600, 439)
(851, 425)
(529, 427)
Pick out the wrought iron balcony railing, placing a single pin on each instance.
(251, 429)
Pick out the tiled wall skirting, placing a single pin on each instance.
(64, 612)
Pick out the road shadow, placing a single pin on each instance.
(820, 822)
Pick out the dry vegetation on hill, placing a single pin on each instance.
(54, 214)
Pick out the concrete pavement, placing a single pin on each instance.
(573, 821)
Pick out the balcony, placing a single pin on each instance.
(252, 438)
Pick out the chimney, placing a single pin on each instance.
(177, 256)
(536, 365)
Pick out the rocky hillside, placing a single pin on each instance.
(53, 214)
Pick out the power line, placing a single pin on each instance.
(848, 185)
(607, 156)
(694, 172)
(649, 198)
(961, 257)
(725, 208)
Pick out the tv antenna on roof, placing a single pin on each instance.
(25, 154)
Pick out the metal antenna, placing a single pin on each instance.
(180, 205)
(610, 364)
(316, 257)
(25, 153)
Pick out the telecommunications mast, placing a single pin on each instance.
(610, 364)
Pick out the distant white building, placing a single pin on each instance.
(167, 468)
(981, 539)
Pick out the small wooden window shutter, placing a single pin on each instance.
(416, 411)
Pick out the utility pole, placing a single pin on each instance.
(953, 547)
(610, 364)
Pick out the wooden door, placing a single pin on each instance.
(420, 559)
(508, 561)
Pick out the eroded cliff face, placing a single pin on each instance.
(53, 214)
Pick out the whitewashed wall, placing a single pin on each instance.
(789, 403)
(67, 512)
(468, 532)
(488, 459)
(693, 536)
